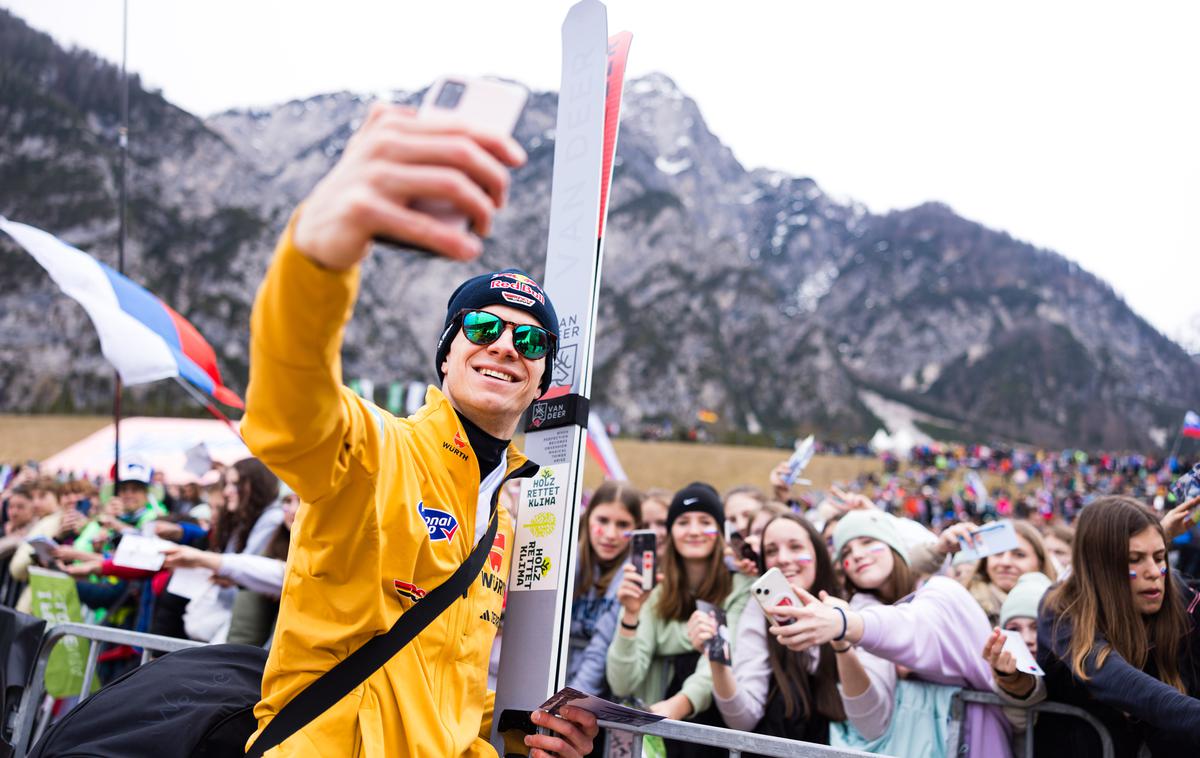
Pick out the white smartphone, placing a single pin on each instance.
(488, 104)
(772, 590)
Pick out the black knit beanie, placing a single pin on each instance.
(697, 496)
(511, 287)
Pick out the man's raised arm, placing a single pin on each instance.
(298, 420)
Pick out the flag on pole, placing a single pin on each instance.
(1191, 425)
(143, 337)
(601, 449)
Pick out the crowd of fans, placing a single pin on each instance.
(891, 621)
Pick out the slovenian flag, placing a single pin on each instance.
(139, 334)
(1191, 425)
(601, 449)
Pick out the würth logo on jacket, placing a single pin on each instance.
(457, 447)
(442, 525)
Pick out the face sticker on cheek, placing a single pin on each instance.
(1133, 575)
(597, 531)
(878, 547)
(804, 558)
(1162, 571)
(847, 563)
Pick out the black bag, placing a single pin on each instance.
(20, 638)
(199, 702)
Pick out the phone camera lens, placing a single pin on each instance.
(450, 94)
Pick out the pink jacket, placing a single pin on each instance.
(939, 634)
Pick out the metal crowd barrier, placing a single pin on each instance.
(958, 708)
(734, 741)
(24, 734)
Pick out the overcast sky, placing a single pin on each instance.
(1069, 125)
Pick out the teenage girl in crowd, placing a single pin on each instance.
(655, 503)
(770, 689)
(1059, 538)
(1119, 638)
(1019, 689)
(741, 503)
(996, 574)
(652, 657)
(614, 510)
(936, 633)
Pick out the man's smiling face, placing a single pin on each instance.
(492, 385)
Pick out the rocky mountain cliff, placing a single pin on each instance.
(749, 293)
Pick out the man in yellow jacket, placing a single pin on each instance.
(394, 506)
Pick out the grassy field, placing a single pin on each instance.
(648, 464)
(674, 464)
(38, 437)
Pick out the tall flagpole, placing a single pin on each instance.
(123, 146)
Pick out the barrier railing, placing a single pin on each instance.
(729, 739)
(958, 713)
(24, 736)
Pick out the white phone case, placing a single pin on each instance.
(772, 590)
(488, 104)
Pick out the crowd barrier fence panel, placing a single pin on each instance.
(24, 736)
(958, 709)
(736, 742)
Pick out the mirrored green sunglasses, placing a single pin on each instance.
(483, 328)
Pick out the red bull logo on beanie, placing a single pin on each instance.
(509, 281)
(442, 525)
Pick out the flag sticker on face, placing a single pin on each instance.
(442, 525)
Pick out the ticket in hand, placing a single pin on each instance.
(1020, 653)
(996, 537)
(138, 552)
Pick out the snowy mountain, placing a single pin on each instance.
(751, 294)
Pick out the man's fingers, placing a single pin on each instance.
(506, 149)
(403, 184)
(455, 151)
(411, 227)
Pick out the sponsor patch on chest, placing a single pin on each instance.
(442, 525)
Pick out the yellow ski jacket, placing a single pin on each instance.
(389, 513)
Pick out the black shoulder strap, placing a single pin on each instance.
(357, 667)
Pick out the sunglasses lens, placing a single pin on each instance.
(481, 327)
(533, 342)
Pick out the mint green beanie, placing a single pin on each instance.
(1023, 598)
(874, 524)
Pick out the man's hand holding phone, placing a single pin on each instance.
(394, 160)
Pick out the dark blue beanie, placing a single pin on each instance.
(512, 287)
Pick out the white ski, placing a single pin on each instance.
(533, 655)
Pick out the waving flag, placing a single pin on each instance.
(601, 449)
(139, 334)
(1191, 425)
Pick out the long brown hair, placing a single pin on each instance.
(608, 493)
(790, 675)
(1096, 603)
(1034, 538)
(677, 600)
(257, 489)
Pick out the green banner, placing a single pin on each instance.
(56, 600)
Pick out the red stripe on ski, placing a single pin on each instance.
(618, 51)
